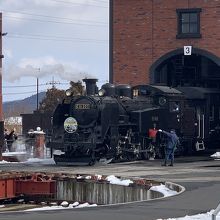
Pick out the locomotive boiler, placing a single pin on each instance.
(120, 122)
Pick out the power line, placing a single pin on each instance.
(33, 85)
(21, 86)
(99, 1)
(55, 22)
(53, 83)
(74, 3)
(44, 84)
(21, 93)
(54, 17)
(51, 37)
(55, 39)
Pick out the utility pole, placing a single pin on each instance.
(38, 90)
(37, 93)
(53, 83)
(1, 111)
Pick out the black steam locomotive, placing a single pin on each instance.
(120, 122)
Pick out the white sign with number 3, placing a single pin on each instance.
(187, 50)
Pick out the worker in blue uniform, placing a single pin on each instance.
(172, 142)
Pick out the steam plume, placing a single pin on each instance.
(41, 67)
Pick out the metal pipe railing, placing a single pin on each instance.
(215, 213)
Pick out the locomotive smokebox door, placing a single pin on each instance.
(70, 125)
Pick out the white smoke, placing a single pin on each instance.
(45, 66)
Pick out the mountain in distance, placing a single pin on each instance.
(24, 106)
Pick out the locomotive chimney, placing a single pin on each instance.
(91, 88)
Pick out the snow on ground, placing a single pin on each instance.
(74, 204)
(114, 180)
(9, 154)
(164, 190)
(46, 161)
(86, 205)
(204, 216)
(64, 205)
(216, 155)
(4, 161)
(40, 161)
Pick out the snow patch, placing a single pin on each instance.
(216, 155)
(40, 161)
(114, 180)
(86, 204)
(99, 177)
(15, 153)
(58, 152)
(64, 205)
(204, 216)
(3, 162)
(164, 190)
(73, 205)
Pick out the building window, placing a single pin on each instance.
(188, 23)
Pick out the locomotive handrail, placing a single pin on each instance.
(215, 213)
(203, 126)
(199, 126)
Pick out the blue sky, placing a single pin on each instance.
(61, 39)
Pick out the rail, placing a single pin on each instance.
(215, 213)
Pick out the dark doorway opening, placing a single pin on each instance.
(179, 70)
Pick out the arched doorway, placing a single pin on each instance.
(201, 69)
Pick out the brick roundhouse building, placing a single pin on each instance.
(147, 39)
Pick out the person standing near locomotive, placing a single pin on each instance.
(10, 137)
(172, 142)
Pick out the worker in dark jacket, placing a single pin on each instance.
(10, 137)
(172, 142)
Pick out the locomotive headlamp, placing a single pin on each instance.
(101, 92)
(68, 92)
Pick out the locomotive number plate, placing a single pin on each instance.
(82, 106)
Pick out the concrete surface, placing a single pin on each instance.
(199, 175)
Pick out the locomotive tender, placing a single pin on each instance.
(121, 122)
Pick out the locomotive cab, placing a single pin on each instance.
(168, 102)
(206, 105)
(166, 112)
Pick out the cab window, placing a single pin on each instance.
(135, 92)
